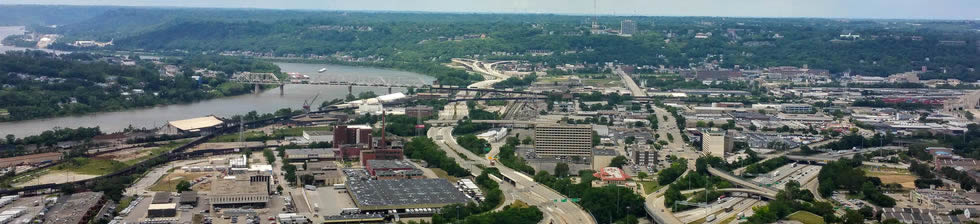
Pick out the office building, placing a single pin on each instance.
(555, 140)
(627, 28)
(797, 108)
(717, 142)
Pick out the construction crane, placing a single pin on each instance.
(307, 103)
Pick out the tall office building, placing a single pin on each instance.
(627, 28)
(716, 142)
(555, 140)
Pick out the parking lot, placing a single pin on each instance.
(330, 200)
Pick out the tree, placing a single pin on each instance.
(10, 139)
(290, 172)
(307, 179)
(853, 217)
(527, 140)
(561, 170)
(618, 161)
(642, 175)
(183, 185)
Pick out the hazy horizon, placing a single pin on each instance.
(869, 9)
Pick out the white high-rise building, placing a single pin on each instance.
(627, 28)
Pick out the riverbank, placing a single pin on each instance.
(262, 102)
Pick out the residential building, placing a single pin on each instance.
(627, 28)
(556, 140)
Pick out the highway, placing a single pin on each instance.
(635, 89)
(525, 188)
(741, 182)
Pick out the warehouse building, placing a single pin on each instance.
(373, 195)
(310, 155)
(324, 173)
(77, 208)
(240, 191)
(162, 210)
(202, 125)
(188, 198)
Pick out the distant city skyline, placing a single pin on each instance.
(873, 9)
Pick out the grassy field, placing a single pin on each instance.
(158, 150)
(169, 182)
(806, 217)
(607, 82)
(234, 137)
(298, 131)
(649, 186)
(892, 175)
(443, 174)
(91, 166)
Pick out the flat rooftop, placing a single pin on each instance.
(404, 193)
(389, 164)
(196, 123)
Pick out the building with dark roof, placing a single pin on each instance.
(188, 198)
(922, 216)
(300, 155)
(77, 208)
(161, 198)
(371, 195)
(393, 169)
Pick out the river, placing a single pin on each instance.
(265, 102)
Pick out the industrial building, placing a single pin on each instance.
(716, 142)
(555, 140)
(202, 125)
(352, 134)
(312, 155)
(324, 173)
(371, 195)
(77, 208)
(318, 136)
(188, 198)
(161, 210)
(239, 191)
(393, 169)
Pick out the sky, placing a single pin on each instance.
(890, 9)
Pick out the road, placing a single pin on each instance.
(668, 125)
(525, 188)
(635, 89)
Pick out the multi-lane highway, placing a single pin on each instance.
(524, 189)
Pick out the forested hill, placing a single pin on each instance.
(883, 47)
(36, 84)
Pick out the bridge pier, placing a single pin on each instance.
(256, 91)
(389, 90)
(350, 90)
(281, 91)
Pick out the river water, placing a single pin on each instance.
(265, 102)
